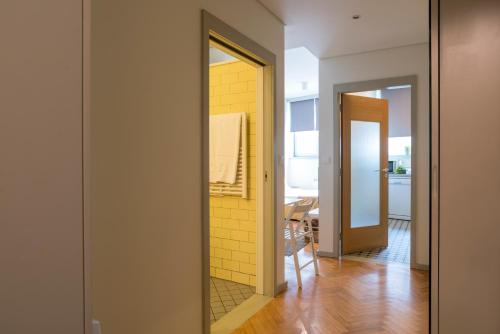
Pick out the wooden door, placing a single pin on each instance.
(364, 173)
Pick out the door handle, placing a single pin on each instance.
(384, 170)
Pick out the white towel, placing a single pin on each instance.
(225, 136)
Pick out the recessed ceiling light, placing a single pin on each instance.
(355, 17)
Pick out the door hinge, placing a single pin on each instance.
(340, 172)
(265, 176)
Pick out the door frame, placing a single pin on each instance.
(338, 90)
(267, 182)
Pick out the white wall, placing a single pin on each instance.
(410, 60)
(399, 111)
(41, 221)
(146, 157)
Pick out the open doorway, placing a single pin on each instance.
(233, 186)
(377, 164)
(238, 177)
(301, 161)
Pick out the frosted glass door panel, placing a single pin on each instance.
(365, 174)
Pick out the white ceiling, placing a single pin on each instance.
(327, 29)
(219, 56)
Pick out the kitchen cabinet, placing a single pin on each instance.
(400, 197)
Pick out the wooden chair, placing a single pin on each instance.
(296, 219)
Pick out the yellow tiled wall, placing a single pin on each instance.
(232, 219)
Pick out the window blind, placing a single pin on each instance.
(303, 115)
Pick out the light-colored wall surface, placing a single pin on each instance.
(469, 264)
(399, 111)
(233, 219)
(403, 61)
(146, 157)
(41, 222)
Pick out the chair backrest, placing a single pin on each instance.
(301, 209)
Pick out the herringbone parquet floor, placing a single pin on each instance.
(347, 297)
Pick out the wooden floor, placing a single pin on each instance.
(347, 297)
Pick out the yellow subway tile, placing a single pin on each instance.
(252, 151)
(222, 90)
(253, 181)
(215, 79)
(248, 225)
(223, 253)
(229, 203)
(241, 257)
(221, 213)
(231, 244)
(253, 280)
(216, 262)
(248, 75)
(251, 213)
(222, 233)
(253, 140)
(239, 214)
(215, 242)
(216, 222)
(231, 224)
(239, 107)
(248, 97)
(252, 259)
(252, 129)
(239, 235)
(248, 247)
(215, 202)
(247, 268)
(214, 100)
(222, 109)
(252, 116)
(228, 78)
(212, 271)
(240, 278)
(243, 204)
(252, 86)
(239, 87)
(223, 274)
(231, 265)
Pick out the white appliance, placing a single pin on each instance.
(400, 197)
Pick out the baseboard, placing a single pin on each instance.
(282, 287)
(327, 254)
(420, 266)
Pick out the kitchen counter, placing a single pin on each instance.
(394, 175)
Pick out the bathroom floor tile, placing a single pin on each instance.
(225, 296)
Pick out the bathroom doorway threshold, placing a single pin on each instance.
(234, 319)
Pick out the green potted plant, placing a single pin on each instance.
(400, 170)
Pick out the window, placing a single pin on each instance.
(304, 127)
(306, 144)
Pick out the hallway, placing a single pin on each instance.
(348, 297)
